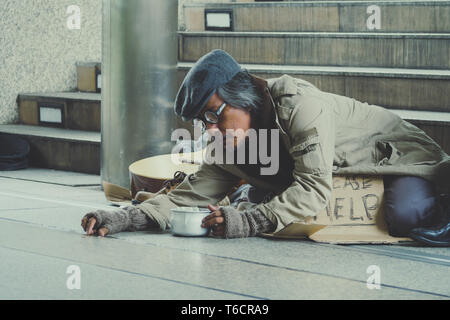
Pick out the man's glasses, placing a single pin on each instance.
(211, 117)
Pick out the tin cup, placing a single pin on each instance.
(187, 221)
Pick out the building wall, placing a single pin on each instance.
(38, 51)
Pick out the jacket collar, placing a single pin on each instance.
(276, 88)
(285, 85)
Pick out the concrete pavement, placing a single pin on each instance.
(41, 242)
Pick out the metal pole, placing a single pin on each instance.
(138, 83)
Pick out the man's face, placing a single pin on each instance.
(233, 122)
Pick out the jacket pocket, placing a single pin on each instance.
(387, 153)
(406, 153)
(308, 154)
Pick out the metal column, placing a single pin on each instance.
(138, 83)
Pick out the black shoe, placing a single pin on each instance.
(434, 236)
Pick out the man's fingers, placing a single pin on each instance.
(90, 227)
(211, 222)
(102, 231)
(213, 219)
(213, 215)
(83, 223)
(213, 208)
(219, 220)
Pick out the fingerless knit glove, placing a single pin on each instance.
(242, 224)
(128, 218)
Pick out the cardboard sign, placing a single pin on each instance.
(355, 200)
(353, 215)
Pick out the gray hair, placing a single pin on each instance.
(241, 92)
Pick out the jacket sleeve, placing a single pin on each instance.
(311, 129)
(208, 185)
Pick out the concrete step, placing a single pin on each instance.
(410, 89)
(387, 50)
(331, 16)
(89, 76)
(70, 110)
(435, 124)
(339, 1)
(60, 149)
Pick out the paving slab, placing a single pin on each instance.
(11, 202)
(409, 270)
(73, 179)
(60, 218)
(39, 277)
(40, 231)
(51, 193)
(422, 272)
(249, 280)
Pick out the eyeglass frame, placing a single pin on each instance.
(215, 113)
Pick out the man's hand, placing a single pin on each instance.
(88, 225)
(215, 221)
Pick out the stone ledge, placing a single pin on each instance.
(342, 71)
(78, 95)
(266, 34)
(52, 133)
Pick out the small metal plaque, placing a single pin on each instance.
(51, 114)
(218, 20)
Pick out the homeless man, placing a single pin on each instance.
(320, 134)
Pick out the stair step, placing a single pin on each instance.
(386, 50)
(70, 110)
(89, 76)
(332, 16)
(60, 149)
(339, 1)
(424, 117)
(437, 131)
(415, 89)
(435, 124)
(77, 95)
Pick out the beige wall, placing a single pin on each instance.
(38, 51)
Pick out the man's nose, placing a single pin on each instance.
(212, 126)
(213, 130)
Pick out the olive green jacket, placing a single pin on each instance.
(325, 134)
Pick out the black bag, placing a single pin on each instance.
(13, 153)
